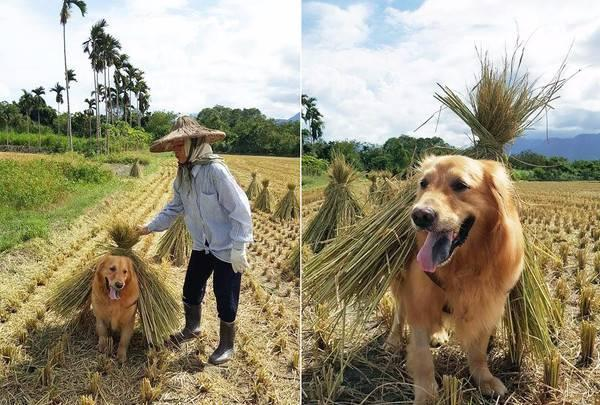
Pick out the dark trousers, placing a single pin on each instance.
(226, 283)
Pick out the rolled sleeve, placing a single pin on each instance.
(167, 216)
(235, 202)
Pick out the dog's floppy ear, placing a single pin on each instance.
(101, 262)
(500, 185)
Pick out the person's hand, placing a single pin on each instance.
(239, 261)
(142, 230)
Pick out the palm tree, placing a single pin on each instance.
(92, 47)
(58, 89)
(120, 63)
(65, 13)
(132, 75)
(312, 118)
(27, 102)
(90, 111)
(39, 102)
(110, 55)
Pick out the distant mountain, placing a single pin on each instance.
(294, 118)
(580, 147)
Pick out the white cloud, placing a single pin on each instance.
(338, 28)
(195, 54)
(373, 91)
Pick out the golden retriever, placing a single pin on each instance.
(115, 292)
(469, 255)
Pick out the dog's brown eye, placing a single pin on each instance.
(124, 271)
(113, 268)
(459, 185)
(423, 183)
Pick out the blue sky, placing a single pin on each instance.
(374, 65)
(195, 53)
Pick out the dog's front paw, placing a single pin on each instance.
(122, 356)
(492, 386)
(103, 345)
(393, 343)
(439, 338)
(426, 393)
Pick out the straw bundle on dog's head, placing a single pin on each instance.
(289, 206)
(503, 104)
(339, 210)
(253, 189)
(158, 306)
(136, 170)
(263, 201)
(175, 244)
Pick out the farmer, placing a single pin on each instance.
(217, 214)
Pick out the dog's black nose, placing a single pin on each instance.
(424, 217)
(118, 284)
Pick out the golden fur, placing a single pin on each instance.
(475, 281)
(115, 315)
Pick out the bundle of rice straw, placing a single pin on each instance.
(158, 306)
(263, 201)
(373, 197)
(136, 170)
(175, 244)
(355, 270)
(253, 189)
(297, 257)
(289, 206)
(340, 208)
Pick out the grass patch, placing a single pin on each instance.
(42, 193)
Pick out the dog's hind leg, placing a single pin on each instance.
(419, 362)
(103, 335)
(478, 366)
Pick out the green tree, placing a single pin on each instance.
(92, 47)
(65, 14)
(159, 123)
(312, 118)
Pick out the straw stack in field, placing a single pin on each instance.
(263, 201)
(136, 169)
(175, 244)
(158, 306)
(340, 208)
(289, 206)
(253, 189)
(356, 268)
(373, 196)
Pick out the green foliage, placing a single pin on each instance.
(528, 165)
(312, 166)
(159, 123)
(39, 183)
(250, 132)
(394, 155)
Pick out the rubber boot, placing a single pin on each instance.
(191, 330)
(224, 351)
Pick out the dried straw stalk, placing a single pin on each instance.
(340, 208)
(175, 244)
(253, 189)
(263, 201)
(289, 206)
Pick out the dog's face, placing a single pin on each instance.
(115, 273)
(456, 193)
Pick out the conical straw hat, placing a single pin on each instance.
(183, 128)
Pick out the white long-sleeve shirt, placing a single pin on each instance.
(216, 210)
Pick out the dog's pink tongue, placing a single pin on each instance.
(425, 255)
(112, 294)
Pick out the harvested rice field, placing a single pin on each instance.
(566, 219)
(44, 359)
